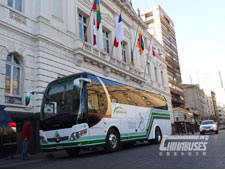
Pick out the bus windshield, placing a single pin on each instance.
(61, 99)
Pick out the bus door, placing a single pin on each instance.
(97, 107)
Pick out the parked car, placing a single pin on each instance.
(8, 142)
(208, 126)
(221, 127)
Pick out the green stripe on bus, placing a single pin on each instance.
(82, 143)
(149, 126)
(93, 140)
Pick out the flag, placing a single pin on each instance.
(96, 8)
(132, 57)
(94, 34)
(119, 33)
(140, 43)
(153, 52)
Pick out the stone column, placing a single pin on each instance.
(70, 16)
(3, 55)
(43, 10)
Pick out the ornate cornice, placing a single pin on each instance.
(108, 19)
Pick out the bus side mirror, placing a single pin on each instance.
(77, 83)
(27, 97)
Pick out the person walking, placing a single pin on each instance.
(25, 138)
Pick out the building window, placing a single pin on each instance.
(82, 26)
(162, 77)
(124, 51)
(13, 76)
(156, 74)
(15, 4)
(106, 40)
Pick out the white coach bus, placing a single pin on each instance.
(84, 110)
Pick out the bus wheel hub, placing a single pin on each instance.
(113, 140)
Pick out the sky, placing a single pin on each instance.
(200, 35)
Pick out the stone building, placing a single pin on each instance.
(161, 26)
(216, 116)
(221, 111)
(41, 41)
(209, 107)
(195, 99)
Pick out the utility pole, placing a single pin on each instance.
(198, 78)
(190, 79)
(221, 81)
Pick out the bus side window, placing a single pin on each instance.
(97, 102)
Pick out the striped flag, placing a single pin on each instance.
(96, 7)
(132, 57)
(140, 43)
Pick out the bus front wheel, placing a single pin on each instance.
(158, 135)
(112, 141)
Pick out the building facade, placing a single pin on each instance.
(221, 111)
(41, 41)
(161, 27)
(209, 107)
(186, 121)
(216, 116)
(195, 99)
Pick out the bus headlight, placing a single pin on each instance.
(43, 140)
(76, 135)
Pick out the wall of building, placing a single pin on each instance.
(195, 99)
(162, 28)
(221, 110)
(44, 36)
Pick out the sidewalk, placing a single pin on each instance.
(189, 133)
(18, 160)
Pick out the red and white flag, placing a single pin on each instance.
(119, 33)
(153, 53)
(94, 35)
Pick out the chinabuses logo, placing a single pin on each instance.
(192, 145)
(119, 110)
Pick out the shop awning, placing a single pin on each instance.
(4, 117)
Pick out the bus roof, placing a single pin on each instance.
(109, 78)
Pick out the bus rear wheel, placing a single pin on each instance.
(158, 135)
(112, 141)
(73, 151)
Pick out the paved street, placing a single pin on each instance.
(139, 156)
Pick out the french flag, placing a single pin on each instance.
(119, 33)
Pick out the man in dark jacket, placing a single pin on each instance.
(25, 138)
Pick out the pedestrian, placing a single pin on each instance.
(178, 128)
(25, 138)
(182, 128)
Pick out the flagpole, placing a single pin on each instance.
(135, 40)
(85, 35)
(111, 52)
(136, 37)
(147, 58)
(113, 40)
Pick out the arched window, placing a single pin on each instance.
(13, 76)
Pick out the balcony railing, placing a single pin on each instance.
(100, 57)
